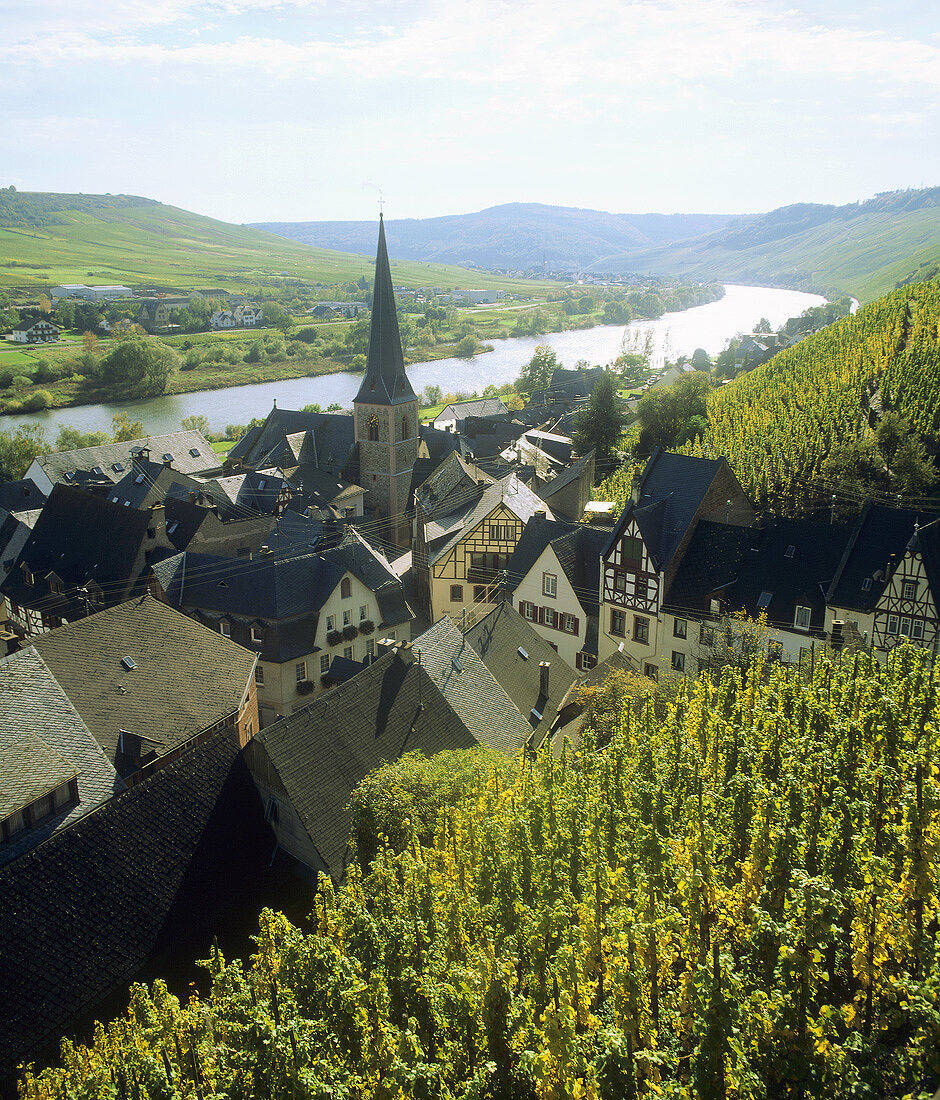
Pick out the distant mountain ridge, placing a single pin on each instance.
(515, 236)
(862, 248)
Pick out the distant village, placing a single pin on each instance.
(205, 656)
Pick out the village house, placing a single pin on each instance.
(466, 528)
(52, 770)
(298, 609)
(553, 579)
(427, 696)
(35, 331)
(451, 415)
(150, 683)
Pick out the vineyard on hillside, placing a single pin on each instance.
(778, 423)
(734, 898)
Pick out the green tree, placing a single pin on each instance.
(19, 448)
(600, 424)
(142, 366)
(432, 395)
(123, 429)
(71, 439)
(537, 373)
(195, 423)
(278, 317)
(467, 346)
(673, 415)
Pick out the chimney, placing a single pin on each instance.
(635, 488)
(540, 515)
(544, 667)
(837, 638)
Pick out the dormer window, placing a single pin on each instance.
(225, 628)
(866, 584)
(262, 483)
(117, 467)
(802, 617)
(28, 575)
(97, 471)
(194, 453)
(139, 480)
(257, 634)
(789, 552)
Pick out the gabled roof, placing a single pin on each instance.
(21, 496)
(508, 492)
(43, 743)
(483, 406)
(577, 547)
(772, 569)
(513, 652)
(108, 456)
(926, 542)
(447, 701)
(81, 538)
(162, 867)
(566, 477)
(185, 677)
(385, 381)
(878, 542)
(452, 485)
(671, 490)
(327, 441)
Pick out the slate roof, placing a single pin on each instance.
(147, 483)
(108, 456)
(396, 705)
(43, 743)
(159, 868)
(328, 443)
(384, 381)
(452, 486)
(186, 677)
(566, 477)
(483, 406)
(14, 535)
(879, 540)
(440, 443)
(927, 541)
(21, 496)
(285, 590)
(672, 488)
(498, 639)
(81, 538)
(758, 571)
(578, 548)
(509, 491)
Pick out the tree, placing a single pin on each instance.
(537, 373)
(195, 423)
(278, 316)
(18, 450)
(141, 366)
(600, 424)
(71, 439)
(467, 347)
(674, 414)
(700, 359)
(123, 429)
(432, 395)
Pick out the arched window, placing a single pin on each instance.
(404, 427)
(345, 588)
(373, 428)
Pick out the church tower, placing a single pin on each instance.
(386, 411)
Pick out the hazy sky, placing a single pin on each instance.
(253, 110)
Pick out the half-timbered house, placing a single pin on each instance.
(642, 555)
(907, 610)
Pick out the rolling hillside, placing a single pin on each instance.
(865, 249)
(48, 238)
(517, 236)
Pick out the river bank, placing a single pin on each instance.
(707, 326)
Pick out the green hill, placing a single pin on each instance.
(865, 249)
(48, 238)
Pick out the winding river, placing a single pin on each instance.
(707, 327)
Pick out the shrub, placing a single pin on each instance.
(21, 380)
(366, 626)
(307, 335)
(304, 687)
(333, 637)
(350, 632)
(41, 399)
(6, 378)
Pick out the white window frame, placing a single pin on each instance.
(324, 664)
(550, 585)
(801, 613)
(225, 628)
(257, 635)
(905, 626)
(917, 630)
(300, 671)
(348, 652)
(259, 674)
(893, 623)
(331, 622)
(909, 595)
(363, 612)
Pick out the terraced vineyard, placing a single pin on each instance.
(736, 898)
(778, 423)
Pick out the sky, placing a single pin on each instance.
(270, 110)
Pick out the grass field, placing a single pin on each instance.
(152, 245)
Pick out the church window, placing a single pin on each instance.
(373, 428)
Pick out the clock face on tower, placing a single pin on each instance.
(373, 428)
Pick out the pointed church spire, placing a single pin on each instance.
(385, 381)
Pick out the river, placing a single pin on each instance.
(708, 327)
